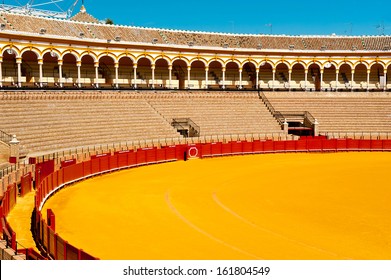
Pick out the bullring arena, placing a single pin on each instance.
(170, 144)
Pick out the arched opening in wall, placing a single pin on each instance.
(265, 76)
(360, 77)
(377, 80)
(215, 78)
(87, 71)
(388, 77)
(125, 72)
(345, 77)
(298, 77)
(50, 69)
(144, 73)
(30, 68)
(282, 77)
(69, 70)
(313, 81)
(329, 77)
(197, 76)
(107, 71)
(249, 76)
(179, 72)
(9, 68)
(232, 79)
(162, 79)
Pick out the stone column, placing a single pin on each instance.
(135, 74)
(188, 76)
(321, 79)
(223, 70)
(316, 128)
(368, 74)
(169, 76)
(78, 64)
(116, 67)
(385, 79)
(351, 83)
(206, 77)
(1, 71)
(286, 126)
(305, 79)
(40, 65)
(153, 75)
(60, 73)
(96, 65)
(257, 78)
(289, 79)
(274, 78)
(14, 148)
(19, 64)
(240, 78)
(336, 79)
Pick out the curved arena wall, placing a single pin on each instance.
(56, 247)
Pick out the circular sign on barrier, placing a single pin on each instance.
(193, 152)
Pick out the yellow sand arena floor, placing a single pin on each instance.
(277, 206)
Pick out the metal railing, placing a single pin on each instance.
(5, 137)
(282, 116)
(186, 123)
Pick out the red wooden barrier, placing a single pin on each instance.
(55, 180)
(61, 248)
(52, 243)
(216, 149)
(25, 184)
(377, 145)
(85, 256)
(73, 172)
(51, 218)
(12, 194)
(45, 234)
(226, 148)
(104, 163)
(342, 145)
(314, 145)
(352, 144)
(87, 168)
(141, 156)
(329, 145)
(150, 156)
(170, 152)
(122, 158)
(279, 146)
(180, 151)
(113, 162)
(268, 146)
(290, 146)
(247, 147)
(161, 154)
(206, 150)
(301, 146)
(258, 146)
(60, 177)
(42, 170)
(386, 145)
(132, 158)
(50, 183)
(95, 165)
(237, 147)
(364, 145)
(72, 253)
(194, 151)
(68, 162)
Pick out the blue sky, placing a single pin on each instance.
(343, 17)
